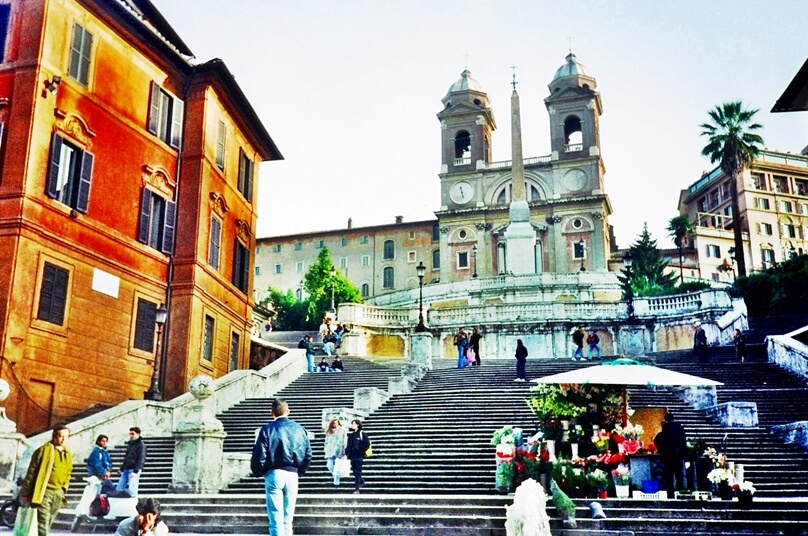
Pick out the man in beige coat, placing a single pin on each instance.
(45, 485)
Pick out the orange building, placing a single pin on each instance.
(128, 181)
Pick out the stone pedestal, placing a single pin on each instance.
(632, 340)
(400, 385)
(699, 397)
(737, 414)
(198, 444)
(368, 399)
(352, 345)
(421, 349)
(345, 415)
(416, 371)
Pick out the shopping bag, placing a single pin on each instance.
(471, 356)
(26, 522)
(342, 467)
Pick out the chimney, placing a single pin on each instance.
(399, 220)
(350, 223)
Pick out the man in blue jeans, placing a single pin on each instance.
(133, 462)
(281, 454)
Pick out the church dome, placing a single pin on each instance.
(571, 68)
(466, 83)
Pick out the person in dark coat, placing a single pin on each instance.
(521, 361)
(671, 443)
(700, 342)
(133, 462)
(474, 344)
(358, 444)
(739, 340)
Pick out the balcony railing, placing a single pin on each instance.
(462, 161)
(573, 147)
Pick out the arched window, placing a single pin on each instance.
(389, 277)
(365, 290)
(573, 136)
(462, 145)
(389, 250)
(436, 259)
(504, 195)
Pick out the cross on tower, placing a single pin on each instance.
(513, 81)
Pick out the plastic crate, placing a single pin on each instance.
(658, 496)
(693, 495)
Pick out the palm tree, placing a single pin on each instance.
(678, 228)
(735, 146)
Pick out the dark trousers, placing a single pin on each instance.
(520, 368)
(356, 467)
(673, 475)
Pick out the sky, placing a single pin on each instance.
(349, 91)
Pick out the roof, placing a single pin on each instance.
(466, 83)
(572, 68)
(795, 97)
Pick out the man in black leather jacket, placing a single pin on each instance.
(281, 454)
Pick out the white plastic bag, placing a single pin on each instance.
(342, 467)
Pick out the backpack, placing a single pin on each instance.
(100, 506)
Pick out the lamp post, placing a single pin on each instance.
(628, 262)
(583, 253)
(474, 258)
(333, 276)
(160, 317)
(421, 270)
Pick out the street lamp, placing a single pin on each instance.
(160, 317)
(628, 262)
(582, 244)
(333, 276)
(474, 258)
(421, 270)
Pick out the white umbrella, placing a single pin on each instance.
(626, 372)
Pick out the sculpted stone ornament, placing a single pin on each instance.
(201, 387)
(200, 416)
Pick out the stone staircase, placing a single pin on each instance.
(433, 468)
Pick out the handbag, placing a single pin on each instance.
(342, 467)
(369, 452)
(471, 356)
(26, 522)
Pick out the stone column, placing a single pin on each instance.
(198, 444)
(421, 349)
(12, 445)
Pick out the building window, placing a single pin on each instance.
(365, 290)
(53, 294)
(278, 268)
(463, 260)
(215, 242)
(780, 184)
(713, 251)
(241, 266)
(245, 176)
(726, 190)
(221, 135)
(702, 204)
(411, 256)
(79, 69)
(144, 325)
(436, 259)
(364, 240)
(235, 347)
(207, 341)
(343, 262)
(759, 179)
(389, 277)
(165, 116)
(762, 203)
(765, 229)
(157, 221)
(786, 206)
(299, 294)
(321, 244)
(768, 256)
(257, 270)
(365, 260)
(801, 187)
(715, 198)
(802, 208)
(5, 16)
(389, 250)
(298, 246)
(343, 242)
(276, 248)
(299, 267)
(70, 173)
(790, 231)
(412, 235)
(578, 250)
(435, 233)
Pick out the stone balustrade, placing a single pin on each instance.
(788, 352)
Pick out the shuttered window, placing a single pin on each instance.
(241, 266)
(207, 342)
(245, 176)
(53, 294)
(221, 135)
(80, 48)
(157, 221)
(70, 174)
(165, 116)
(235, 347)
(215, 244)
(144, 325)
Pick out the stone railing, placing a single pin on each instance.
(788, 352)
(524, 312)
(377, 317)
(156, 419)
(682, 303)
(505, 164)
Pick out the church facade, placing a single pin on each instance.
(564, 205)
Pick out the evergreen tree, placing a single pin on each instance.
(648, 277)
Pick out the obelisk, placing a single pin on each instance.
(520, 238)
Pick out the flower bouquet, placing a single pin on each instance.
(601, 440)
(621, 475)
(631, 434)
(719, 476)
(744, 488)
(718, 459)
(597, 479)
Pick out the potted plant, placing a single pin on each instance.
(598, 480)
(745, 490)
(722, 478)
(622, 480)
(631, 434)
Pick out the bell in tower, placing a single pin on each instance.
(467, 122)
(574, 107)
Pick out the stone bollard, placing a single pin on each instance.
(345, 415)
(737, 414)
(421, 349)
(13, 445)
(368, 399)
(416, 371)
(400, 385)
(699, 397)
(198, 444)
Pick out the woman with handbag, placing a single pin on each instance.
(335, 442)
(358, 445)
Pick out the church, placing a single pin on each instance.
(529, 215)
